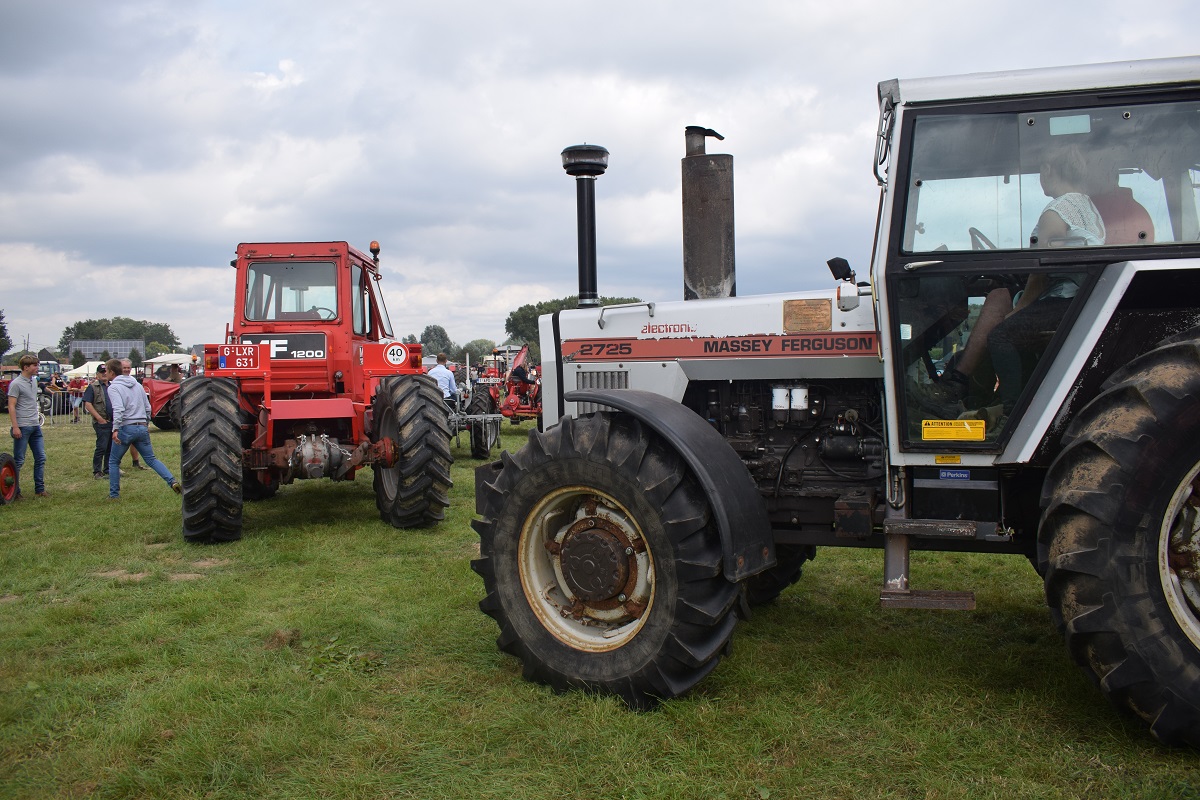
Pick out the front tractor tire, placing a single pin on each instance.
(1119, 544)
(601, 562)
(408, 409)
(211, 474)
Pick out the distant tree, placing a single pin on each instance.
(119, 328)
(105, 356)
(154, 349)
(434, 340)
(135, 357)
(476, 349)
(159, 332)
(78, 359)
(410, 339)
(5, 342)
(522, 324)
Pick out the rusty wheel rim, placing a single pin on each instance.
(586, 569)
(1179, 555)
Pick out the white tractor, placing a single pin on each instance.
(1018, 373)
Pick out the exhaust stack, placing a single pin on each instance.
(708, 261)
(585, 163)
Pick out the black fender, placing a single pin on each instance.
(747, 543)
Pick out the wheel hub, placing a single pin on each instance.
(595, 563)
(586, 568)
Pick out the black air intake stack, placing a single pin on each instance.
(585, 163)
(708, 263)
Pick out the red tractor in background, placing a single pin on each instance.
(510, 388)
(164, 392)
(309, 384)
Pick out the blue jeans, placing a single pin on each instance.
(31, 437)
(137, 437)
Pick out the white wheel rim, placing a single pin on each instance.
(555, 527)
(1179, 555)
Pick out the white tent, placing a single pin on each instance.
(85, 370)
(182, 359)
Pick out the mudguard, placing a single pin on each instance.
(746, 539)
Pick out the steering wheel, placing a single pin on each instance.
(979, 241)
(322, 310)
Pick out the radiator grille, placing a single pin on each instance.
(608, 379)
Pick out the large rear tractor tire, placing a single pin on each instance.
(416, 491)
(211, 443)
(8, 479)
(167, 418)
(1119, 544)
(764, 587)
(484, 435)
(601, 562)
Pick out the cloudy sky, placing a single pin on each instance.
(140, 142)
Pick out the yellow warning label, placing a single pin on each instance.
(947, 459)
(953, 430)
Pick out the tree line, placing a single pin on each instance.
(521, 327)
(158, 336)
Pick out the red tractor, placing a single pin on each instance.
(164, 391)
(309, 384)
(511, 389)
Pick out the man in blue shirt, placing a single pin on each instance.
(445, 380)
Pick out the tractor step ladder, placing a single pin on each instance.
(896, 592)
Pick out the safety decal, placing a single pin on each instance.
(956, 430)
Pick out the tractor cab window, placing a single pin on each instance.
(1076, 178)
(293, 290)
(385, 322)
(367, 302)
(970, 345)
(360, 301)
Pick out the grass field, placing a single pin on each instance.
(327, 655)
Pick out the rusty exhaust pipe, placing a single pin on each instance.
(708, 258)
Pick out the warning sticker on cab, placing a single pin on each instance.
(953, 430)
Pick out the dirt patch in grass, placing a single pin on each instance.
(122, 575)
(185, 576)
(281, 639)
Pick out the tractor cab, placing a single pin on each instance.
(314, 304)
(1010, 222)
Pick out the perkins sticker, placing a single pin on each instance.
(954, 474)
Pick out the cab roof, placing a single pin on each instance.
(981, 85)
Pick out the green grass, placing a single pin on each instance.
(327, 655)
